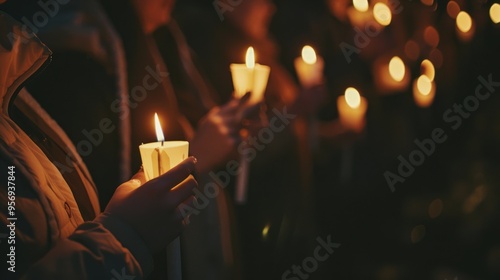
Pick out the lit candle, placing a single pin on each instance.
(250, 77)
(427, 68)
(495, 13)
(352, 109)
(391, 77)
(158, 158)
(360, 13)
(382, 14)
(309, 68)
(424, 91)
(465, 26)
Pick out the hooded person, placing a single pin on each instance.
(55, 226)
(119, 76)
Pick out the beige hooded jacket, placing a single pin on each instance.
(47, 237)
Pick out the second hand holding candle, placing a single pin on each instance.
(248, 77)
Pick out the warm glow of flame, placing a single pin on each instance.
(309, 55)
(397, 69)
(428, 69)
(412, 50)
(495, 13)
(265, 231)
(352, 97)
(452, 8)
(464, 22)
(431, 36)
(382, 14)
(424, 85)
(427, 2)
(159, 131)
(250, 58)
(360, 5)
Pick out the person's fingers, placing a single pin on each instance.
(252, 110)
(183, 216)
(182, 191)
(230, 107)
(174, 176)
(234, 105)
(244, 99)
(140, 177)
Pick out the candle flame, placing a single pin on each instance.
(382, 14)
(464, 22)
(495, 13)
(250, 58)
(352, 97)
(309, 55)
(159, 131)
(397, 69)
(424, 85)
(360, 5)
(428, 69)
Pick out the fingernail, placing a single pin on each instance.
(135, 182)
(245, 97)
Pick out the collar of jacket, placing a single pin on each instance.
(22, 54)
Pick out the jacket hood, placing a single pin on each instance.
(21, 55)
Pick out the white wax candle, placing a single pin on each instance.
(352, 109)
(392, 76)
(250, 77)
(424, 91)
(309, 68)
(158, 158)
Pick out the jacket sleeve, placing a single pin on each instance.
(105, 248)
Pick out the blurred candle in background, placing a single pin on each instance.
(392, 76)
(250, 76)
(495, 13)
(427, 68)
(309, 68)
(360, 13)
(382, 14)
(424, 91)
(465, 26)
(352, 109)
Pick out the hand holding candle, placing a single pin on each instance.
(250, 77)
(138, 198)
(158, 158)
